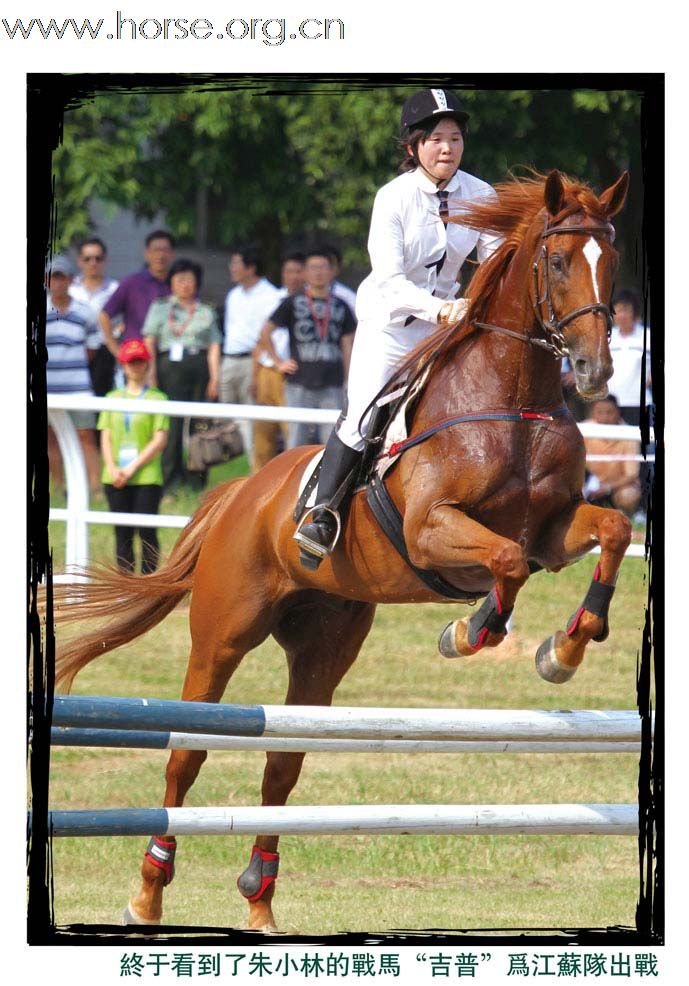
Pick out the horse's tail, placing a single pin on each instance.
(130, 604)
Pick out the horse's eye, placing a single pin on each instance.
(556, 263)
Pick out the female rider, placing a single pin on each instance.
(415, 261)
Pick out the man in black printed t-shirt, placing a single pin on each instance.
(321, 332)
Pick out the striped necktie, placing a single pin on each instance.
(444, 211)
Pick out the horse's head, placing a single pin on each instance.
(573, 277)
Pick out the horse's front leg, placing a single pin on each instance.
(445, 538)
(570, 537)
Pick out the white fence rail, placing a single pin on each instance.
(77, 515)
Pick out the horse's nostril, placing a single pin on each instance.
(581, 366)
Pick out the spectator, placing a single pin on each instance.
(247, 305)
(131, 445)
(268, 387)
(183, 337)
(614, 484)
(339, 289)
(321, 332)
(627, 349)
(292, 273)
(72, 338)
(134, 295)
(93, 288)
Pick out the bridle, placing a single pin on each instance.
(552, 326)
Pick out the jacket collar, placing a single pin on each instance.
(424, 183)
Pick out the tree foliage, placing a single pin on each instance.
(291, 166)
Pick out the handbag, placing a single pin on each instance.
(214, 441)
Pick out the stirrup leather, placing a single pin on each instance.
(313, 547)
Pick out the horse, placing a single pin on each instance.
(488, 486)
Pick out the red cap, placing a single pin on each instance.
(133, 349)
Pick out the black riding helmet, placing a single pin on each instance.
(429, 104)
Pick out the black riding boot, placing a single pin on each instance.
(318, 535)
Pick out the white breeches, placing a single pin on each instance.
(376, 353)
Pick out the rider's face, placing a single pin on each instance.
(441, 152)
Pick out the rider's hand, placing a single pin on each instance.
(452, 313)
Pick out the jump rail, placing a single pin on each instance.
(306, 721)
(562, 819)
(83, 720)
(148, 740)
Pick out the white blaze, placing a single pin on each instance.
(592, 252)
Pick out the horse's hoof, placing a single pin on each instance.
(129, 916)
(446, 641)
(549, 665)
(454, 640)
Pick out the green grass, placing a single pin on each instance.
(335, 884)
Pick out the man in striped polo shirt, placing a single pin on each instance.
(72, 338)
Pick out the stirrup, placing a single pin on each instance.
(313, 548)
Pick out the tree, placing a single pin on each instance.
(280, 161)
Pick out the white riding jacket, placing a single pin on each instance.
(408, 240)
(415, 261)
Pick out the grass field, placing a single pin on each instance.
(333, 884)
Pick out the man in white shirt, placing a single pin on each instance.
(91, 287)
(247, 306)
(628, 349)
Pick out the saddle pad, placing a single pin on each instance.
(398, 429)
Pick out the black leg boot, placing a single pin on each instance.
(318, 536)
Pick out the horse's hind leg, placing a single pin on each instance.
(212, 662)
(572, 536)
(205, 681)
(321, 644)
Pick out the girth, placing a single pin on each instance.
(390, 521)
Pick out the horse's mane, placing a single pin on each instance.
(510, 215)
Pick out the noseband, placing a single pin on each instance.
(552, 327)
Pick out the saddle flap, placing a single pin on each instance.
(307, 486)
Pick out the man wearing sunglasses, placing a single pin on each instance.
(93, 288)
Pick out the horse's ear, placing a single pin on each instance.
(613, 198)
(554, 193)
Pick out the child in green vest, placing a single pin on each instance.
(131, 446)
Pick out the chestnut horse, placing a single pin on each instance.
(485, 500)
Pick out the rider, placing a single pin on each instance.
(415, 261)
